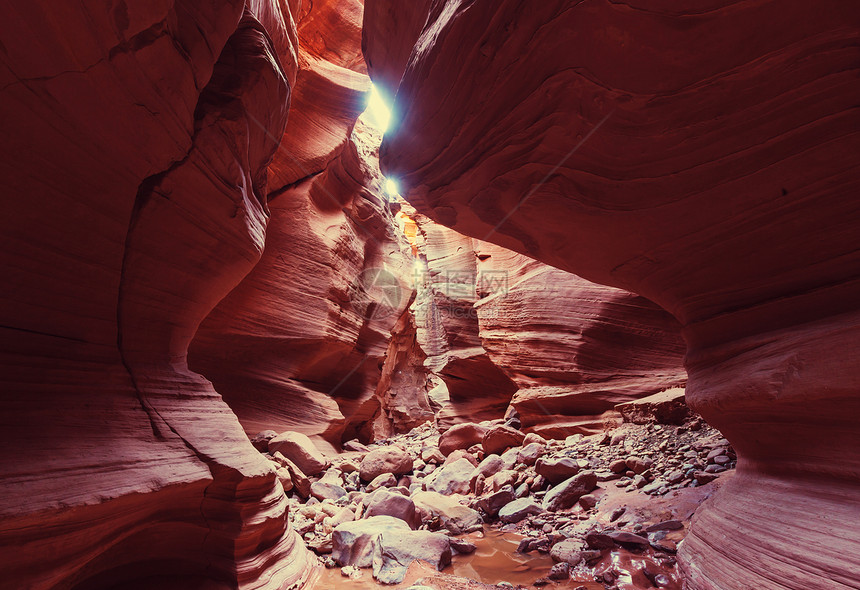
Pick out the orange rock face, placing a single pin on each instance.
(135, 179)
(704, 157)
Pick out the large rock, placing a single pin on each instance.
(322, 490)
(353, 542)
(451, 514)
(492, 502)
(396, 550)
(519, 509)
(500, 438)
(568, 492)
(666, 407)
(383, 502)
(490, 465)
(567, 551)
(453, 478)
(556, 469)
(384, 460)
(301, 450)
(699, 165)
(461, 436)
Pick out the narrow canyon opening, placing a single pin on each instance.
(440, 294)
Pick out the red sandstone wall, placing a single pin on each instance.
(704, 156)
(135, 187)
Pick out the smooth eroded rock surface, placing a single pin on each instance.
(702, 157)
(135, 165)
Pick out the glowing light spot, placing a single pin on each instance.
(391, 188)
(378, 112)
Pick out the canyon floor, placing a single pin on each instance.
(492, 507)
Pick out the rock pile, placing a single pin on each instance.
(407, 498)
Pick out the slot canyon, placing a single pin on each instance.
(430, 294)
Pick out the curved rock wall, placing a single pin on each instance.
(700, 155)
(502, 329)
(389, 31)
(574, 348)
(300, 343)
(472, 387)
(135, 179)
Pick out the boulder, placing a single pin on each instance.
(529, 454)
(519, 509)
(492, 503)
(348, 466)
(534, 437)
(432, 455)
(458, 454)
(343, 515)
(490, 465)
(451, 514)
(384, 502)
(354, 445)
(567, 551)
(301, 483)
(618, 466)
(556, 469)
(323, 490)
(500, 438)
(588, 501)
(666, 407)
(498, 480)
(392, 460)
(559, 572)
(383, 480)
(461, 436)
(568, 492)
(353, 542)
(509, 457)
(261, 440)
(301, 450)
(285, 478)
(638, 465)
(462, 545)
(395, 550)
(450, 479)
(627, 539)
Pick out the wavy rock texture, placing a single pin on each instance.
(402, 389)
(389, 31)
(330, 91)
(300, 343)
(136, 183)
(502, 329)
(472, 387)
(702, 155)
(574, 348)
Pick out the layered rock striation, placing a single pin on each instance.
(135, 171)
(702, 156)
(506, 332)
(575, 349)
